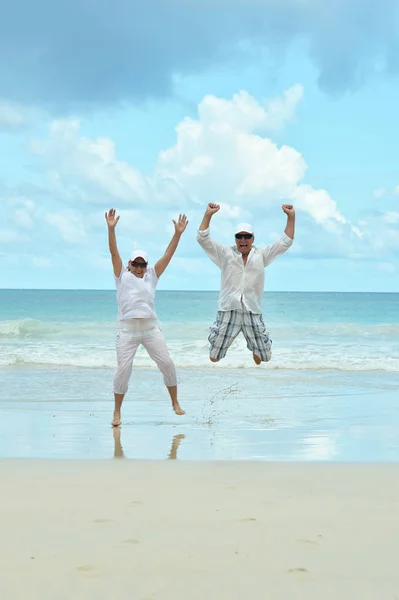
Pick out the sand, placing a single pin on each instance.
(175, 530)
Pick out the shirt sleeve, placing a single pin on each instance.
(118, 280)
(214, 250)
(272, 251)
(152, 274)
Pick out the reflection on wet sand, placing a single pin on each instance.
(118, 450)
(175, 445)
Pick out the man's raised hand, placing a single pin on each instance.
(211, 209)
(289, 210)
(110, 218)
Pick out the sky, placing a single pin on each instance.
(158, 108)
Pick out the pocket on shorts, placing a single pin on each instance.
(214, 329)
(262, 328)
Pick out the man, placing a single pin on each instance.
(241, 292)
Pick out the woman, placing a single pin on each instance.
(137, 321)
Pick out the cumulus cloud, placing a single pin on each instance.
(224, 155)
(221, 156)
(243, 111)
(88, 169)
(218, 157)
(83, 55)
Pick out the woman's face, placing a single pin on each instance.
(138, 267)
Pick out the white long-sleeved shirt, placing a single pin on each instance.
(242, 284)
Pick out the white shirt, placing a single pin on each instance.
(136, 295)
(242, 284)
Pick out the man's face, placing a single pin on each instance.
(244, 241)
(138, 267)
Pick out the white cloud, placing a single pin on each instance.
(70, 226)
(218, 157)
(282, 110)
(244, 112)
(379, 193)
(318, 203)
(88, 169)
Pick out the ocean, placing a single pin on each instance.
(329, 393)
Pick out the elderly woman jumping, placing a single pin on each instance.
(137, 321)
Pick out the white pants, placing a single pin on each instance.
(130, 334)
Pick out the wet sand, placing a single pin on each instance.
(176, 530)
(265, 416)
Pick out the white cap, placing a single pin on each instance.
(246, 227)
(139, 253)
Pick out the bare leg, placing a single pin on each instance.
(158, 351)
(117, 412)
(172, 389)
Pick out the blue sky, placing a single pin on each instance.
(159, 112)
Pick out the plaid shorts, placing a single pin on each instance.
(228, 325)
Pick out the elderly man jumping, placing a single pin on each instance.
(242, 281)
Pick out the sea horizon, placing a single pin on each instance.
(266, 291)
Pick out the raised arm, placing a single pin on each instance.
(281, 246)
(214, 250)
(163, 262)
(290, 212)
(113, 248)
(211, 209)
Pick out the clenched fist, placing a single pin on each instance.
(211, 209)
(289, 210)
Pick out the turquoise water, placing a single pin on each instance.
(329, 393)
(355, 332)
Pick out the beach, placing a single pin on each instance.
(216, 530)
(279, 482)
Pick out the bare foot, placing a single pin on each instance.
(177, 408)
(257, 359)
(116, 421)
